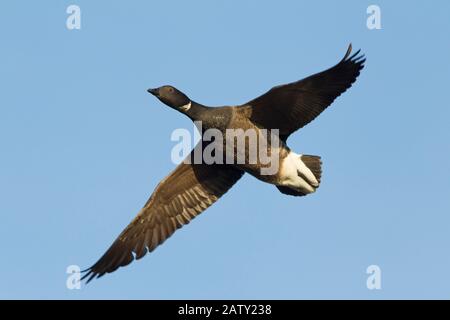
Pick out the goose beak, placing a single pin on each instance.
(154, 92)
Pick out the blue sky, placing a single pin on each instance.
(83, 145)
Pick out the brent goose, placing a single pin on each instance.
(192, 187)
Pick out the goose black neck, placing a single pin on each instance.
(197, 112)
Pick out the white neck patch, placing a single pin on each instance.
(186, 107)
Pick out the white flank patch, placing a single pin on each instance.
(292, 172)
(186, 107)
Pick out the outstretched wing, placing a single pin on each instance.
(291, 106)
(180, 197)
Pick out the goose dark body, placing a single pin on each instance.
(192, 187)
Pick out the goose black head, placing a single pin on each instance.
(172, 97)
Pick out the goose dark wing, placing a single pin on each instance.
(291, 106)
(180, 197)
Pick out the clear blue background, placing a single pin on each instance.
(83, 145)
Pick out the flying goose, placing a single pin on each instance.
(192, 187)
